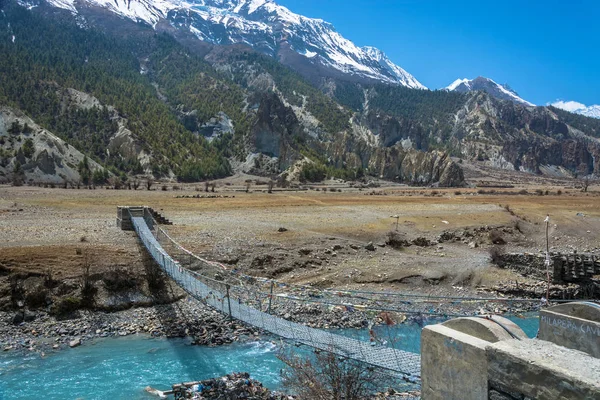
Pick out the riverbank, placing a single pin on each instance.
(41, 331)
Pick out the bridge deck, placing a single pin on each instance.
(384, 357)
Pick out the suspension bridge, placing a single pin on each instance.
(238, 300)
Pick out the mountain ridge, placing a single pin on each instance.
(204, 112)
(575, 107)
(263, 25)
(501, 91)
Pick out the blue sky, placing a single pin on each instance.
(545, 50)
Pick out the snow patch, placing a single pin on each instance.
(578, 108)
(458, 82)
(256, 22)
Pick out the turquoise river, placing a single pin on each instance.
(121, 368)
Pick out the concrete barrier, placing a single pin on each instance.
(541, 370)
(453, 356)
(574, 325)
(479, 359)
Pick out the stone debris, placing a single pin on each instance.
(229, 387)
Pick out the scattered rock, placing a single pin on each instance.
(422, 242)
(370, 246)
(18, 318)
(75, 342)
(473, 245)
(282, 229)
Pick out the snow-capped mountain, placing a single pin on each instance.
(263, 25)
(578, 108)
(503, 92)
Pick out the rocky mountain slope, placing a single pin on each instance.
(169, 105)
(29, 153)
(503, 92)
(264, 25)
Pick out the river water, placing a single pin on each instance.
(121, 368)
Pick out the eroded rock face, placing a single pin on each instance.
(381, 151)
(528, 139)
(274, 131)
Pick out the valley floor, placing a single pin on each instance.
(326, 235)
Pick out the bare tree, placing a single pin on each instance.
(327, 376)
(88, 290)
(271, 184)
(149, 184)
(136, 184)
(206, 186)
(585, 184)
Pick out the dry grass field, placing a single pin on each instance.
(325, 238)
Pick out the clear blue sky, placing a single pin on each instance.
(545, 50)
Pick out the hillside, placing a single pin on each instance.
(151, 100)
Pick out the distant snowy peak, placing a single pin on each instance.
(578, 108)
(503, 92)
(262, 24)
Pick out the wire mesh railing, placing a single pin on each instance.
(240, 300)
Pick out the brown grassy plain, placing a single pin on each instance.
(43, 229)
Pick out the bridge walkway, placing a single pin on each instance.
(399, 361)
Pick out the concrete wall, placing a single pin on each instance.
(453, 358)
(478, 359)
(454, 365)
(574, 325)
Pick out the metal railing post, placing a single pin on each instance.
(270, 297)
(228, 301)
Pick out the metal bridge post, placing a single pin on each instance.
(270, 298)
(228, 301)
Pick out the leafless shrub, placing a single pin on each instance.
(136, 184)
(66, 306)
(496, 256)
(149, 184)
(49, 281)
(17, 291)
(88, 290)
(164, 188)
(326, 376)
(37, 297)
(83, 239)
(395, 240)
(119, 280)
(496, 237)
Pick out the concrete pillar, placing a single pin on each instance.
(453, 357)
(573, 325)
